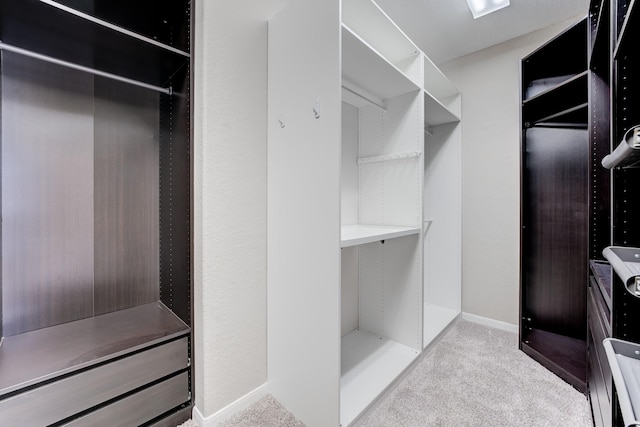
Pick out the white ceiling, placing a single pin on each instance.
(445, 29)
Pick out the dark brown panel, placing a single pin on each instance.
(600, 190)
(126, 196)
(47, 194)
(175, 201)
(555, 238)
(564, 356)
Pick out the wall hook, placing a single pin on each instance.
(316, 108)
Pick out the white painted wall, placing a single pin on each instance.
(490, 83)
(230, 143)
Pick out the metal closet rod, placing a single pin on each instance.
(45, 58)
(113, 27)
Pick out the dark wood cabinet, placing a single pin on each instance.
(555, 205)
(573, 206)
(95, 179)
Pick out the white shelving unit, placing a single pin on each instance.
(348, 110)
(442, 203)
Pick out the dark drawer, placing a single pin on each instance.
(598, 393)
(600, 306)
(73, 394)
(140, 407)
(598, 334)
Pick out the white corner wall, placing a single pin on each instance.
(490, 84)
(230, 143)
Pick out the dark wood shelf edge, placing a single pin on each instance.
(41, 355)
(557, 88)
(577, 383)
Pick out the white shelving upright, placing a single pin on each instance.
(442, 202)
(348, 110)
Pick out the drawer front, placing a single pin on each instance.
(60, 399)
(598, 394)
(595, 383)
(599, 334)
(600, 306)
(139, 407)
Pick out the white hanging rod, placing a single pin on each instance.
(45, 58)
(114, 27)
(391, 156)
(364, 98)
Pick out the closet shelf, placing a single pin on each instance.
(369, 364)
(360, 234)
(372, 24)
(373, 73)
(54, 30)
(435, 113)
(569, 96)
(436, 83)
(625, 261)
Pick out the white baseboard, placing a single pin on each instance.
(230, 410)
(490, 322)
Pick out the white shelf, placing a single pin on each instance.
(363, 67)
(369, 364)
(436, 83)
(436, 319)
(435, 113)
(353, 235)
(371, 23)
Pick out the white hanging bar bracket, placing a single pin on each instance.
(427, 225)
(391, 156)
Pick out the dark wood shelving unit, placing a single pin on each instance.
(57, 33)
(554, 206)
(564, 103)
(612, 311)
(96, 292)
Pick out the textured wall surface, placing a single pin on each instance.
(490, 83)
(230, 144)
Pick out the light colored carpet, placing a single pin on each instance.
(475, 376)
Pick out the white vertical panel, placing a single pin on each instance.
(349, 297)
(303, 211)
(442, 203)
(403, 291)
(371, 288)
(391, 290)
(349, 173)
(391, 191)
